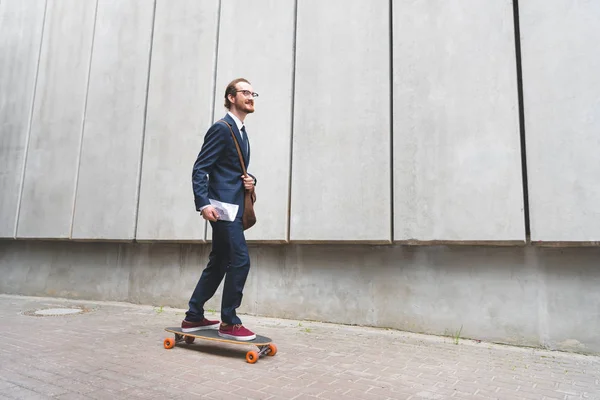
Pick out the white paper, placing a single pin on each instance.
(227, 211)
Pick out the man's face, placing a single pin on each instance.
(241, 101)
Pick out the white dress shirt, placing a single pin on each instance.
(238, 123)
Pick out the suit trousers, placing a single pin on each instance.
(228, 258)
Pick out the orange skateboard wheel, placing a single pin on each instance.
(252, 357)
(272, 349)
(189, 339)
(169, 343)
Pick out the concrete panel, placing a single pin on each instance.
(49, 186)
(571, 299)
(518, 295)
(264, 55)
(341, 165)
(64, 269)
(107, 188)
(561, 90)
(419, 289)
(21, 25)
(457, 156)
(170, 270)
(179, 111)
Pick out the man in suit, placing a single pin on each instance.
(219, 161)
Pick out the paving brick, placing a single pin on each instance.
(303, 396)
(49, 389)
(194, 388)
(4, 385)
(506, 382)
(487, 393)
(351, 385)
(252, 394)
(69, 396)
(545, 385)
(283, 393)
(249, 384)
(296, 384)
(142, 393)
(383, 392)
(221, 395)
(314, 389)
(317, 388)
(468, 387)
(325, 378)
(329, 395)
(357, 394)
(102, 394)
(526, 395)
(21, 393)
(567, 389)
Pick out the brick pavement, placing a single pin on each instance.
(115, 351)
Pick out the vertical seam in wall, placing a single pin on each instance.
(293, 104)
(215, 63)
(87, 90)
(141, 154)
(517, 32)
(391, 31)
(28, 135)
(214, 87)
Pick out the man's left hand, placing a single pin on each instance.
(248, 182)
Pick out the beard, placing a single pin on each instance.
(248, 107)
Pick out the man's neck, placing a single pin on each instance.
(239, 114)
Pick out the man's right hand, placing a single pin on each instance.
(210, 214)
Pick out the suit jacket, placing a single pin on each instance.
(217, 172)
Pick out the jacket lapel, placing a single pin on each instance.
(238, 136)
(247, 161)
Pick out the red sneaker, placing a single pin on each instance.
(236, 332)
(187, 326)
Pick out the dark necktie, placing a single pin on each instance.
(245, 137)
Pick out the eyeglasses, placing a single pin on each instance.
(247, 93)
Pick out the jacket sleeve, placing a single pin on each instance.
(214, 143)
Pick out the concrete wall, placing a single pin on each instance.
(377, 122)
(264, 55)
(179, 110)
(518, 295)
(561, 89)
(55, 137)
(341, 160)
(111, 151)
(21, 25)
(457, 153)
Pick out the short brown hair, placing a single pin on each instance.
(231, 90)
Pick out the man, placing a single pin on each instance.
(219, 160)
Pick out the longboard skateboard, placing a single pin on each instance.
(264, 344)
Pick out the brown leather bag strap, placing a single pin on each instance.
(237, 146)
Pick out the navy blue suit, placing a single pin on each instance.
(217, 175)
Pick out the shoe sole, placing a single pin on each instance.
(241, 338)
(200, 328)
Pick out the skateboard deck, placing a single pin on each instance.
(264, 344)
